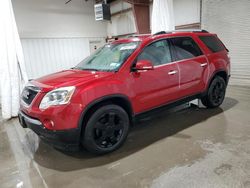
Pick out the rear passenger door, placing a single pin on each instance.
(192, 63)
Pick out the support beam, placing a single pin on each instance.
(141, 14)
(138, 2)
(189, 26)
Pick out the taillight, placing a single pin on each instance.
(229, 67)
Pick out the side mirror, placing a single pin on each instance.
(143, 65)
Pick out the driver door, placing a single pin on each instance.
(153, 88)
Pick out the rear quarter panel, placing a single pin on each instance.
(218, 61)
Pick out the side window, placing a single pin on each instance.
(158, 53)
(185, 48)
(212, 43)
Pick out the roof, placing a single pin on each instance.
(161, 34)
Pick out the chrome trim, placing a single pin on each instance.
(30, 120)
(172, 72)
(33, 88)
(203, 64)
(23, 103)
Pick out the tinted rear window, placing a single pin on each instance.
(212, 43)
(185, 48)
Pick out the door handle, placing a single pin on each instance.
(172, 72)
(203, 64)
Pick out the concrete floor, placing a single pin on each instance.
(188, 148)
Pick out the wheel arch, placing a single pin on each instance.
(222, 73)
(118, 99)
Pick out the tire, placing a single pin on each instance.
(106, 129)
(215, 94)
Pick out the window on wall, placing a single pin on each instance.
(212, 43)
(158, 53)
(185, 48)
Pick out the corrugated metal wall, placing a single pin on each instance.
(230, 19)
(47, 55)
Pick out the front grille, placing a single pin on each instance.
(29, 93)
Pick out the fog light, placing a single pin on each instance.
(48, 123)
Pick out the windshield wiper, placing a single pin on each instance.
(91, 69)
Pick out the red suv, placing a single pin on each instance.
(94, 103)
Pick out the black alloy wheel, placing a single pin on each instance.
(215, 94)
(218, 93)
(106, 129)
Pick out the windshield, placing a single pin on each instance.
(108, 58)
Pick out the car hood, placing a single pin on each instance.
(68, 78)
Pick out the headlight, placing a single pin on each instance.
(57, 97)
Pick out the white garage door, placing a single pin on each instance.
(230, 19)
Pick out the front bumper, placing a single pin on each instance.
(68, 140)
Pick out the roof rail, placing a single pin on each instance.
(139, 35)
(193, 30)
(160, 33)
(182, 30)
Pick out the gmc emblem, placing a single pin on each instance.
(25, 94)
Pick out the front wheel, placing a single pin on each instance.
(215, 94)
(106, 129)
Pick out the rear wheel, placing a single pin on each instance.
(106, 129)
(215, 94)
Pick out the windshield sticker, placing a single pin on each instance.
(131, 47)
(114, 64)
(116, 56)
